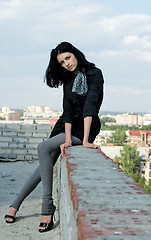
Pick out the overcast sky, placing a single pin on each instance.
(114, 34)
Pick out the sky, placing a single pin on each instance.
(114, 34)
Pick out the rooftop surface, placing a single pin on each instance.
(110, 205)
(12, 177)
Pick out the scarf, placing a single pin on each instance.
(80, 83)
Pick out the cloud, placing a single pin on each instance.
(119, 44)
(136, 41)
(39, 24)
(129, 54)
(126, 90)
(126, 98)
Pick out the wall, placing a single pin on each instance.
(99, 201)
(20, 141)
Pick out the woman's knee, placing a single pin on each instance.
(41, 147)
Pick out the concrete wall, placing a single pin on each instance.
(20, 141)
(99, 201)
(68, 216)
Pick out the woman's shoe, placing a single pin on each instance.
(47, 226)
(10, 217)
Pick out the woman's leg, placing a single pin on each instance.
(28, 187)
(50, 159)
(45, 150)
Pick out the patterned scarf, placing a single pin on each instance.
(80, 83)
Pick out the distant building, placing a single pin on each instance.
(139, 138)
(41, 112)
(102, 137)
(127, 119)
(14, 116)
(147, 122)
(36, 111)
(9, 115)
(145, 170)
(6, 110)
(41, 121)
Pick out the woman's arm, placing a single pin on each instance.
(87, 126)
(68, 142)
(68, 133)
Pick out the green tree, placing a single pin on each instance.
(135, 175)
(146, 127)
(142, 182)
(118, 138)
(2, 118)
(147, 187)
(107, 119)
(129, 156)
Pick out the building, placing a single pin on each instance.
(127, 119)
(6, 110)
(102, 137)
(41, 112)
(145, 170)
(9, 115)
(41, 121)
(140, 138)
(147, 122)
(14, 116)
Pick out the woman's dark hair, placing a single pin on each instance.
(56, 74)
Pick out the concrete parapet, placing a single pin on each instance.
(20, 141)
(99, 201)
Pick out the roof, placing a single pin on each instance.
(134, 132)
(138, 132)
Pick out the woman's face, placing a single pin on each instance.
(67, 60)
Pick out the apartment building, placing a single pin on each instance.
(140, 138)
(128, 119)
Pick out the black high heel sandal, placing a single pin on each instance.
(47, 226)
(9, 217)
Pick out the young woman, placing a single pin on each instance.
(78, 125)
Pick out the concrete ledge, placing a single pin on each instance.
(99, 201)
(68, 216)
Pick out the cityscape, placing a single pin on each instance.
(134, 127)
(45, 114)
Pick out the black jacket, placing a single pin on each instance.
(77, 107)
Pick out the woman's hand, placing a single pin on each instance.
(90, 145)
(63, 146)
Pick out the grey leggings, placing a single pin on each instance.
(48, 152)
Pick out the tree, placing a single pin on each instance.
(146, 127)
(142, 182)
(147, 187)
(107, 119)
(2, 118)
(129, 156)
(135, 175)
(118, 138)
